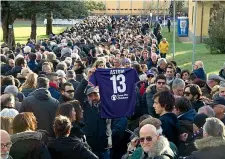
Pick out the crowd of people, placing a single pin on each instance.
(50, 108)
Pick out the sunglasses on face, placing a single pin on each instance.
(150, 76)
(161, 83)
(148, 138)
(187, 93)
(70, 91)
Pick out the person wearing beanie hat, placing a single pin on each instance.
(11, 90)
(199, 121)
(6, 112)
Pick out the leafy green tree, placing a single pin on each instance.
(10, 10)
(216, 32)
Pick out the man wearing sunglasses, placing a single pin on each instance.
(153, 145)
(5, 145)
(147, 100)
(67, 92)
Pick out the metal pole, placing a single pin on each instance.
(194, 39)
(174, 28)
(164, 14)
(131, 7)
(105, 7)
(157, 10)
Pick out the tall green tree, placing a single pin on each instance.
(10, 10)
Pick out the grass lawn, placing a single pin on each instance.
(22, 30)
(183, 55)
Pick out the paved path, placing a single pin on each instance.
(184, 40)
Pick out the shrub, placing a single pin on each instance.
(216, 39)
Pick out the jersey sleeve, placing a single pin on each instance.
(93, 80)
(136, 78)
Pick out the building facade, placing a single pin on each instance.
(134, 7)
(204, 14)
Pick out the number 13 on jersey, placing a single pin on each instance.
(119, 84)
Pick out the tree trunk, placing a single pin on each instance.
(49, 23)
(33, 26)
(7, 26)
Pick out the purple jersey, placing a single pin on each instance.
(117, 91)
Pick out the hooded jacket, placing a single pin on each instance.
(189, 115)
(44, 107)
(170, 126)
(27, 91)
(186, 126)
(29, 145)
(69, 148)
(208, 148)
(200, 73)
(186, 122)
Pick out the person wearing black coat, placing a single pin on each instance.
(98, 130)
(42, 104)
(163, 104)
(168, 24)
(29, 145)
(67, 147)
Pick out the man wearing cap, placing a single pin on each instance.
(213, 81)
(218, 106)
(97, 129)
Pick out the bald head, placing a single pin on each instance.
(5, 144)
(199, 64)
(4, 135)
(148, 137)
(148, 128)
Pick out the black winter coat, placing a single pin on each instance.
(14, 71)
(96, 128)
(171, 127)
(44, 107)
(69, 148)
(29, 145)
(209, 148)
(5, 68)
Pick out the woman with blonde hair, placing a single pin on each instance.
(30, 84)
(99, 64)
(6, 124)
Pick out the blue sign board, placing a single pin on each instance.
(182, 26)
